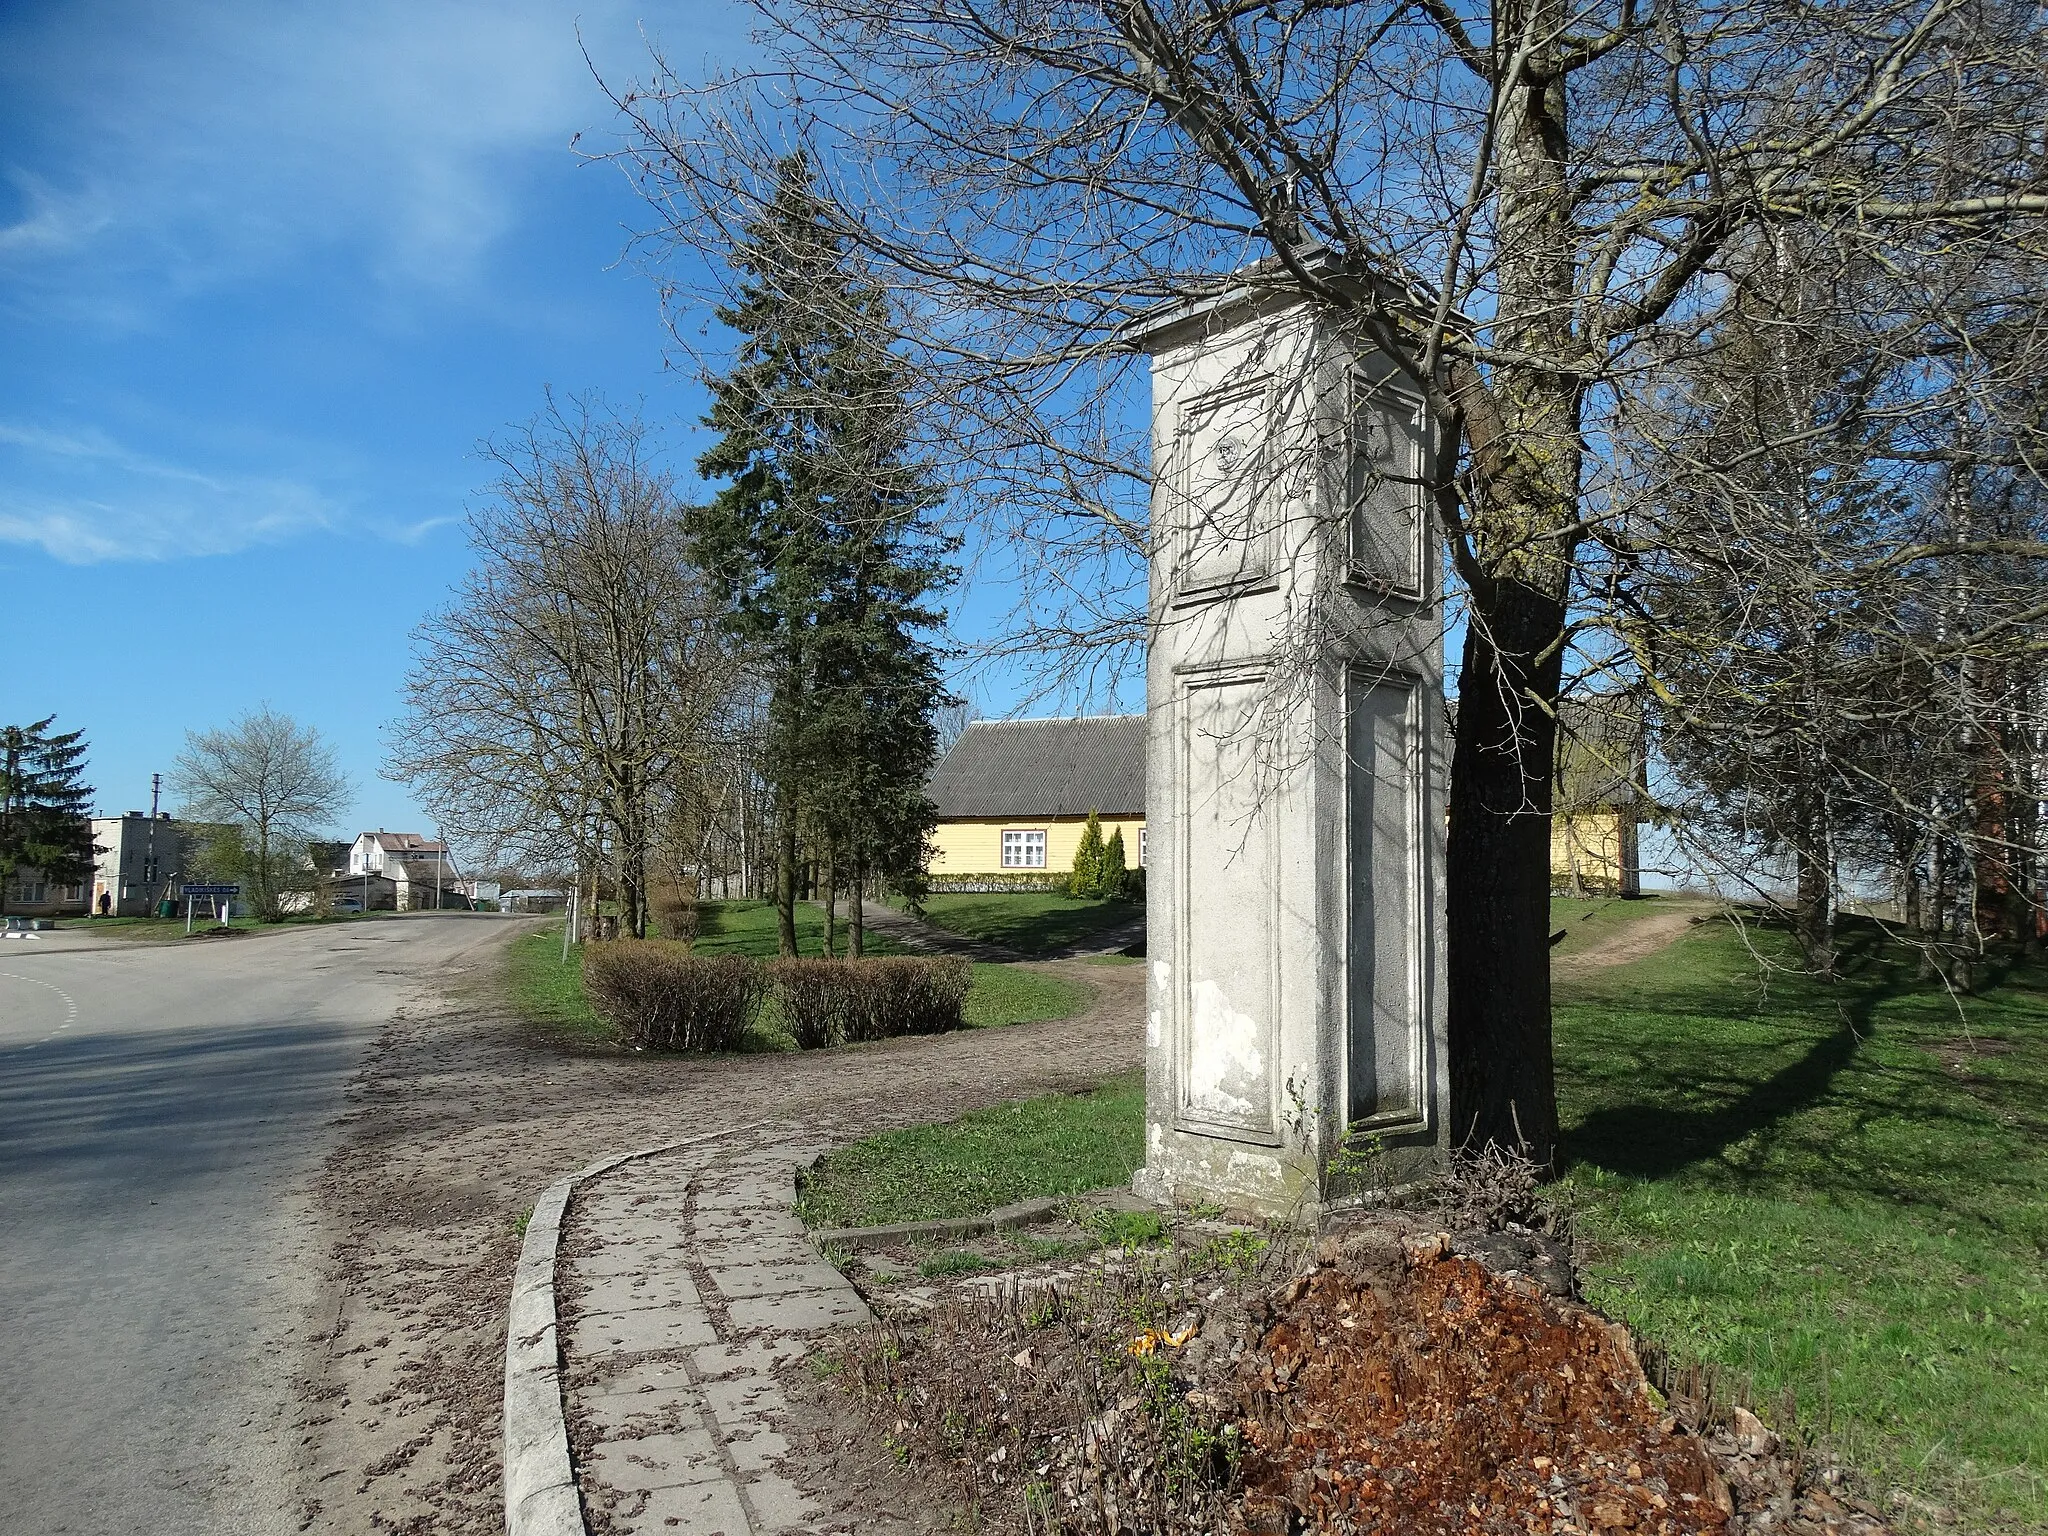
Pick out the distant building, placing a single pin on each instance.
(140, 862)
(1599, 803)
(534, 900)
(421, 870)
(31, 893)
(1013, 796)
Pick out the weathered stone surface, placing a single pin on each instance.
(657, 1461)
(803, 1312)
(1296, 762)
(682, 1434)
(640, 1332)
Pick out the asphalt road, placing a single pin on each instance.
(162, 1112)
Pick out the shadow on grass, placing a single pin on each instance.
(1031, 923)
(1719, 1072)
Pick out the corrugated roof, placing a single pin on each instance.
(1044, 768)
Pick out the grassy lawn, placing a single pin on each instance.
(550, 992)
(1587, 920)
(1030, 922)
(174, 927)
(1062, 1144)
(748, 928)
(1839, 1194)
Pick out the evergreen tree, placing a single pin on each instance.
(1116, 865)
(820, 543)
(1087, 877)
(45, 811)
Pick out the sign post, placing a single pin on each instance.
(215, 892)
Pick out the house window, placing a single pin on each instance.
(1023, 850)
(1141, 847)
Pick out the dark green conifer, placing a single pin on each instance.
(45, 809)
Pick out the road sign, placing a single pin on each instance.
(213, 890)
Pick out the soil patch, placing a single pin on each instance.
(1958, 1054)
(462, 1116)
(1637, 941)
(1393, 1380)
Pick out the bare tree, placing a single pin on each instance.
(578, 679)
(272, 781)
(1831, 573)
(1526, 203)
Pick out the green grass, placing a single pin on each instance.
(1587, 920)
(1009, 994)
(1786, 1179)
(749, 928)
(1789, 1180)
(1030, 922)
(550, 992)
(174, 927)
(1061, 1144)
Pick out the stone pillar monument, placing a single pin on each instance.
(1296, 748)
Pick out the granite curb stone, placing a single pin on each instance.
(540, 1486)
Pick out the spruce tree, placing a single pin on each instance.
(821, 544)
(1087, 877)
(45, 811)
(1116, 866)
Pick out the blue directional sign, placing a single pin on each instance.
(213, 890)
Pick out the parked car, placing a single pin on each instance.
(347, 904)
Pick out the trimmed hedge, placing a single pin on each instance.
(829, 1002)
(998, 884)
(657, 994)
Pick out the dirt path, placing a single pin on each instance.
(461, 1118)
(1635, 941)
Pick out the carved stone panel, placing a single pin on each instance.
(1230, 1000)
(1389, 880)
(1225, 460)
(1387, 463)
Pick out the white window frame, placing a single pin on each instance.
(1141, 847)
(1025, 847)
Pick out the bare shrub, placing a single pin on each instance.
(906, 996)
(830, 1002)
(1488, 1190)
(658, 994)
(675, 913)
(812, 999)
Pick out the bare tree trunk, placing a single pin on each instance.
(785, 883)
(856, 915)
(1813, 904)
(1503, 1090)
(828, 880)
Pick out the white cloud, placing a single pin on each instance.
(219, 140)
(83, 498)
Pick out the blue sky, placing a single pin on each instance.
(268, 271)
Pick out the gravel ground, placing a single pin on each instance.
(461, 1117)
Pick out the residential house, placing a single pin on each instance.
(1599, 802)
(1014, 795)
(30, 893)
(421, 869)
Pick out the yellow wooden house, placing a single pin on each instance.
(1600, 801)
(1013, 796)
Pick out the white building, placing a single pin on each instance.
(422, 868)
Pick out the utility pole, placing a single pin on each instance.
(156, 785)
